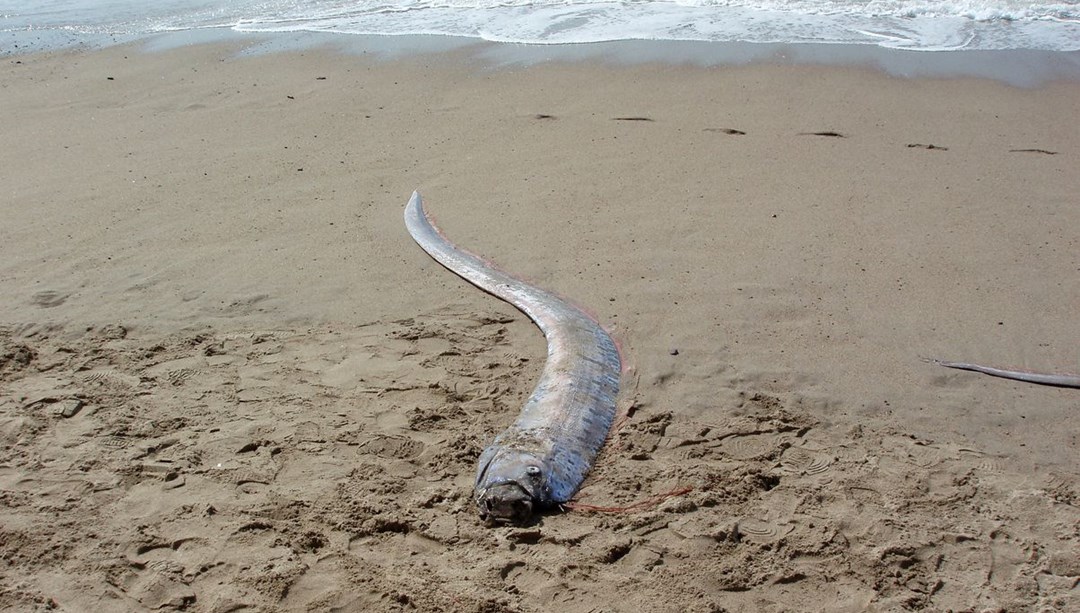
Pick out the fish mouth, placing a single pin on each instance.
(506, 502)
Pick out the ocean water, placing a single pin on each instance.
(924, 25)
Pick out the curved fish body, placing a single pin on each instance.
(542, 459)
(1017, 375)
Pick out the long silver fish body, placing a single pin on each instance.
(1017, 375)
(542, 459)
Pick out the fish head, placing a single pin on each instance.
(511, 486)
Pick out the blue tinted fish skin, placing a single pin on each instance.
(541, 460)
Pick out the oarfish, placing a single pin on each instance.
(1018, 375)
(540, 460)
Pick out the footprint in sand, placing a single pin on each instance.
(538, 582)
(761, 532)
(749, 446)
(984, 461)
(699, 526)
(156, 579)
(246, 305)
(110, 378)
(14, 357)
(1062, 489)
(177, 377)
(324, 586)
(114, 442)
(393, 447)
(685, 434)
(394, 542)
(925, 455)
(308, 432)
(49, 298)
(156, 590)
(255, 479)
(800, 461)
(393, 419)
(1008, 558)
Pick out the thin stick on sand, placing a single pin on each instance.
(1064, 380)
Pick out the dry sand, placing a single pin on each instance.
(276, 399)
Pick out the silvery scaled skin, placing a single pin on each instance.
(543, 457)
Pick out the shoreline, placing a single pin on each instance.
(1018, 67)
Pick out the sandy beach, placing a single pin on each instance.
(230, 381)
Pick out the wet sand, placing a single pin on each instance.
(230, 381)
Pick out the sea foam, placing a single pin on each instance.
(929, 25)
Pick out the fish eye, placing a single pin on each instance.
(533, 471)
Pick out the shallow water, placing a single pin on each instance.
(925, 25)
